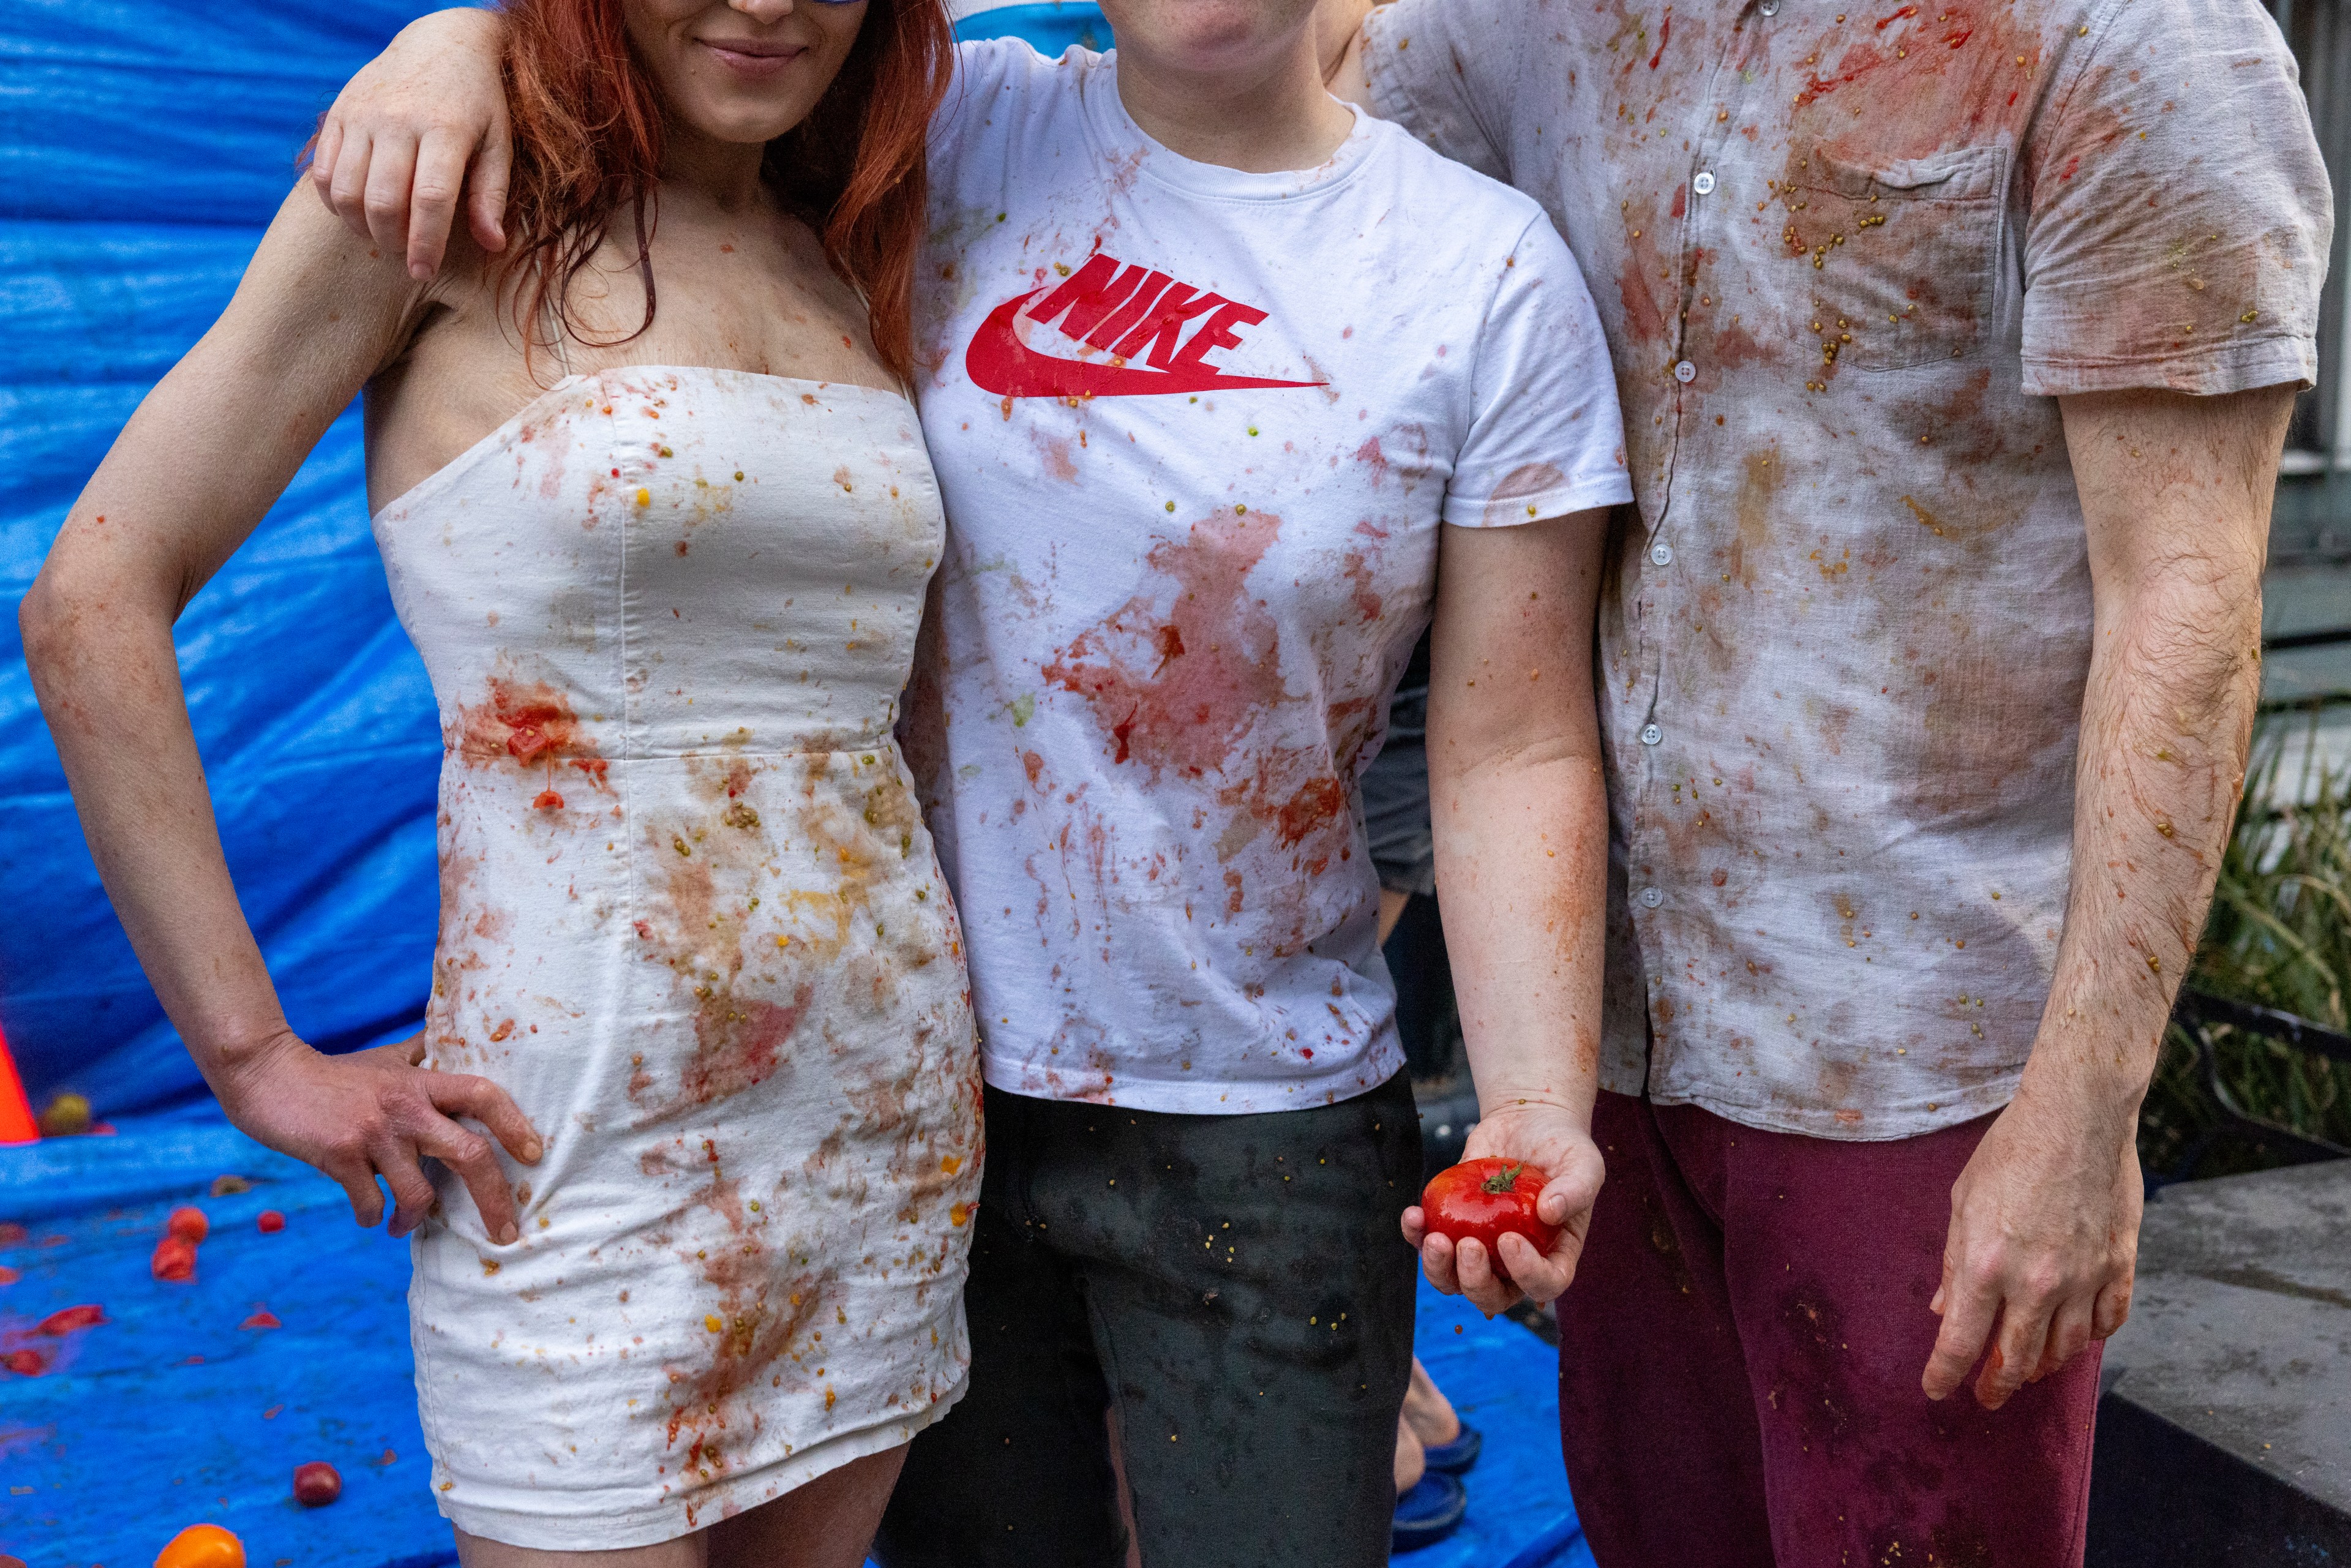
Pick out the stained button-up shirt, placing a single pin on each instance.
(1848, 260)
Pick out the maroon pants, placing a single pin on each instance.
(1740, 1361)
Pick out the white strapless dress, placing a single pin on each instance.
(691, 920)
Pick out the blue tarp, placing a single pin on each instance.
(143, 147)
(172, 1412)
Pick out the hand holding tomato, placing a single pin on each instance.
(1477, 1243)
(1488, 1199)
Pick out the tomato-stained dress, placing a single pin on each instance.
(691, 920)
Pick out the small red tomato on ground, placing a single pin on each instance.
(316, 1484)
(1485, 1199)
(202, 1546)
(189, 1224)
(271, 1221)
(60, 1325)
(25, 1363)
(263, 1319)
(175, 1260)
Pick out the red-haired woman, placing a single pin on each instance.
(657, 514)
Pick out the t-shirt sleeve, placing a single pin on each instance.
(989, 78)
(1432, 68)
(1545, 438)
(2177, 230)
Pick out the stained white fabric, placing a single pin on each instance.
(1197, 429)
(1845, 650)
(691, 920)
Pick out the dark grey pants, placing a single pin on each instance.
(1234, 1285)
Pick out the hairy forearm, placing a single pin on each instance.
(108, 683)
(2166, 720)
(2176, 493)
(1522, 858)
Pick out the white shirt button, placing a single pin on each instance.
(1685, 372)
(1662, 553)
(1651, 735)
(1704, 184)
(1769, 7)
(1652, 897)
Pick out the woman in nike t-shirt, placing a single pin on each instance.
(1228, 389)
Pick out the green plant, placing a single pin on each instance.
(2279, 936)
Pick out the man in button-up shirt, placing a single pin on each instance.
(1956, 343)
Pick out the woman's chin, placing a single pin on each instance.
(762, 119)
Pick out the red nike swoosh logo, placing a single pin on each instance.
(998, 361)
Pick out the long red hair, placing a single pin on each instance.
(588, 137)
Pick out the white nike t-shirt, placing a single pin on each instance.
(1197, 430)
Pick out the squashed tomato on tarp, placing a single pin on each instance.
(175, 1260)
(58, 1324)
(1484, 1198)
(202, 1546)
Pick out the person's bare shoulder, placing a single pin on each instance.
(1339, 43)
(331, 307)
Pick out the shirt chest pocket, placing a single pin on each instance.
(1905, 256)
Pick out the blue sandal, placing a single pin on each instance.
(1454, 1457)
(1428, 1512)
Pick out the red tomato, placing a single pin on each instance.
(175, 1260)
(1484, 1198)
(189, 1224)
(316, 1484)
(271, 1221)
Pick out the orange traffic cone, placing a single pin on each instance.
(16, 1124)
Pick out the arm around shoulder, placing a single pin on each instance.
(422, 123)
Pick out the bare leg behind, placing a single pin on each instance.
(828, 1524)
(1427, 1411)
(1411, 1464)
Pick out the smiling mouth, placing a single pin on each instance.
(753, 54)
